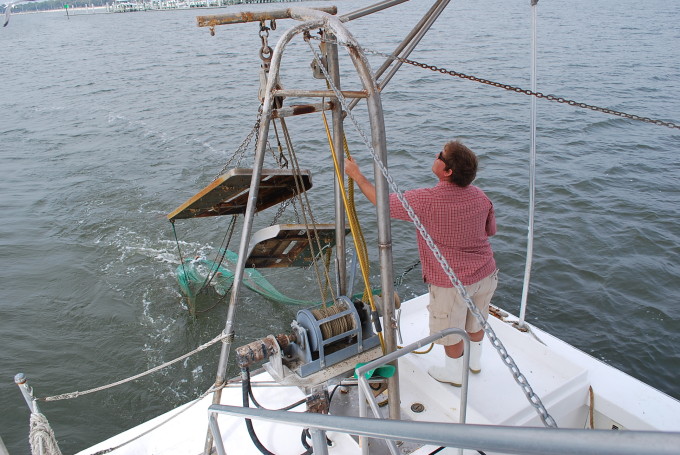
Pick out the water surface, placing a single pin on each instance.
(110, 121)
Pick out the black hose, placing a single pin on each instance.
(330, 397)
(245, 392)
(442, 448)
(286, 408)
(245, 386)
(303, 440)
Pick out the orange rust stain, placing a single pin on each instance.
(303, 109)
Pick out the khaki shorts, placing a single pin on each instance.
(448, 309)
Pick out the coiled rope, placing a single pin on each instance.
(41, 436)
(335, 326)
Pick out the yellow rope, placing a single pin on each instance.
(351, 208)
(359, 243)
(420, 352)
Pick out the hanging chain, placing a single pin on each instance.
(528, 92)
(539, 95)
(400, 279)
(283, 164)
(265, 50)
(281, 160)
(240, 152)
(519, 377)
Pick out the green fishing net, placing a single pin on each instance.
(196, 274)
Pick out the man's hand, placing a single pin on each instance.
(352, 170)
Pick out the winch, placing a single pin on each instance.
(326, 341)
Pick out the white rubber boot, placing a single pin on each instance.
(451, 372)
(475, 356)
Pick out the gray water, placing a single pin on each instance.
(110, 121)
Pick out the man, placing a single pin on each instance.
(459, 217)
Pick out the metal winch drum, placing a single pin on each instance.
(328, 334)
(323, 337)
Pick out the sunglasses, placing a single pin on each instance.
(441, 157)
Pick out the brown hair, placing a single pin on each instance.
(462, 161)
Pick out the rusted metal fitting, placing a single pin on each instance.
(262, 349)
(285, 339)
(318, 402)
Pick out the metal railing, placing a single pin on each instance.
(365, 393)
(503, 439)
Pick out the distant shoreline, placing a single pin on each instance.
(92, 9)
(81, 10)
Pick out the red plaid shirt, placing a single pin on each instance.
(460, 221)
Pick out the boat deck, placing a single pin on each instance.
(493, 396)
(558, 373)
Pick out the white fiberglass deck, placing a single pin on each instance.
(558, 373)
(493, 397)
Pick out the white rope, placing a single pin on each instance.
(532, 174)
(41, 437)
(67, 396)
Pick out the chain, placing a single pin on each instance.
(282, 208)
(240, 152)
(265, 50)
(400, 279)
(283, 163)
(266, 56)
(512, 88)
(534, 399)
(281, 160)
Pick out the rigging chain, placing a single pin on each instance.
(241, 150)
(528, 92)
(519, 377)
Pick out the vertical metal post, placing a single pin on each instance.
(319, 441)
(363, 412)
(242, 252)
(27, 391)
(379, 144)
(3, 448)
(250, 214)
(216, 434)
(338, 144)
